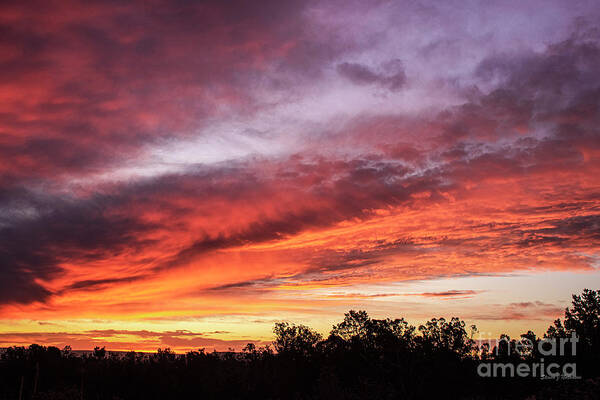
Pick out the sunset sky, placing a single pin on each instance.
(185, 174)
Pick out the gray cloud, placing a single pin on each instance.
(391, 76)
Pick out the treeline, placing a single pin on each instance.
(362, 358)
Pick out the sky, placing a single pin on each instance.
(185, 174)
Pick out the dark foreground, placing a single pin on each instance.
(362, 358)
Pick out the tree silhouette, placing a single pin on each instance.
(99, 353)
(583, 318)
(297, 340)
(448, 336)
